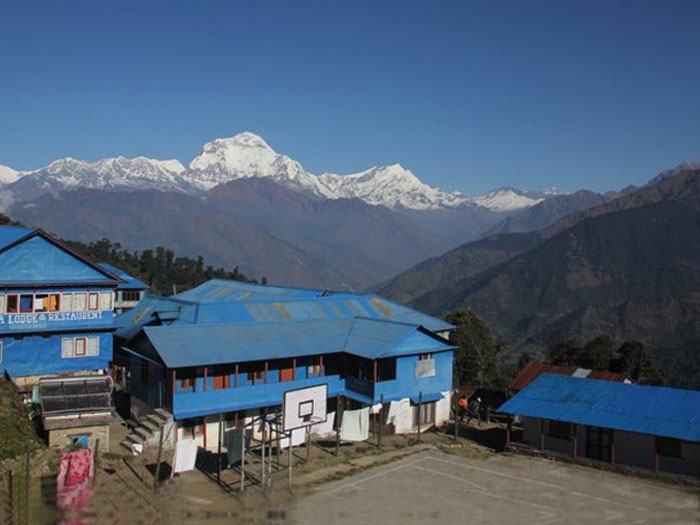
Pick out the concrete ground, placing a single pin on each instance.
(433, 486)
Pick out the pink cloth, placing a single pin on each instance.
(74, 473)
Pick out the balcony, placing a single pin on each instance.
(360, 386)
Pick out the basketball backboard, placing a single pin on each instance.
(304, 407)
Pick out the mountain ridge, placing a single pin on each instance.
(247, 155)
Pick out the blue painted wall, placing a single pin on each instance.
(407, 385)
(196, 404)
(153, 392)
(37, 260)
(36, 355)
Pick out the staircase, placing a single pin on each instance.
(147, 432)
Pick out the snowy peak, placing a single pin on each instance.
(247, 155)
(392, 186)
(507, 199)
(8, 175)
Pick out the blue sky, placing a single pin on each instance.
(468, 95)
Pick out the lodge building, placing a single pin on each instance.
(56, 320)
(227, 350)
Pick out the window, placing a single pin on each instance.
(12, 304)
(26, 303)
(425, 357)
(41, 303)
(668, 447)
(559, 429)
(80, 346)
(386, 369)
(2, 304)
(67, 302)
(54, 302)
(105, 301)
(93, 300)
(79, 302)
(47, 302)
(131, 295)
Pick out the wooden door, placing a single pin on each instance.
(598, 443)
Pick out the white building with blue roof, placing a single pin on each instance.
(229, 350)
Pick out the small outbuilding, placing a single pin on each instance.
(651, 427)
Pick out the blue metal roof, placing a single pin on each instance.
(659, 411)
(217, 290)
(10, 234)
(130, 283)
(426, 398)
(198, 345)
(233, 302)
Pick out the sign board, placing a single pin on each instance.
(304, 407)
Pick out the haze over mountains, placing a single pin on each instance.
(241, 203)
(626, 269)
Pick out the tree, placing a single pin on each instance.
(635, 360)
(476, 360)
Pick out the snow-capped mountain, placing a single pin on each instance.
(392, 186)
(8, 175)
(507, 199)
(68, 174)
(244, 156)
(247, 155)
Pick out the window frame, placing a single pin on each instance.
(31, 307)
(7, 303)
(76, 341)
(96, 296)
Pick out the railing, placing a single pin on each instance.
(360, 386)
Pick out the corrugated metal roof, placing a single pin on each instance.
(534, 369)
(10, 234)
(130, 283)
(197, 345)
(262, 308)
(659, 411)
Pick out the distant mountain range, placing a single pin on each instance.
(628, 268)
(240, 203)
(245, 156)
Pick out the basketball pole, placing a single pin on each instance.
(218, 469)
(308, 443)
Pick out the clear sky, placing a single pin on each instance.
(468, 95)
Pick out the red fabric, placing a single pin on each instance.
(74, 473)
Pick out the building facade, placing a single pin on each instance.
(226, 351)
(56, 308)
(655, 428)
(129, 292)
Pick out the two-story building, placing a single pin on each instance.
(56, 310)
(129, 292)
(229, 350)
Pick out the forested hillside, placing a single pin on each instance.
(161, 269)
